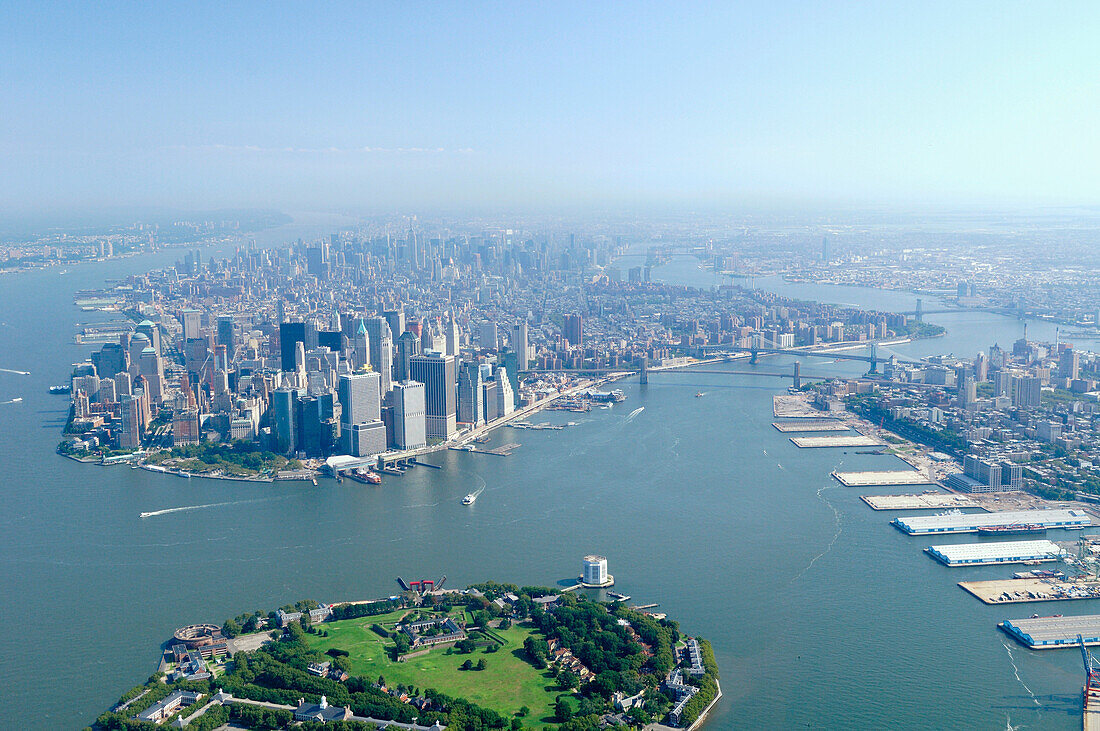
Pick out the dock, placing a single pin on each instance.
(992, 553)
(923, 501)
(884, 478)
(971, 522)
(1018, 591)
(810, 425)
(856, 440)
(502, 451)
(1048, 633)
(787, 406)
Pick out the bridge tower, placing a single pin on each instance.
(920, 310)
(797, 374)
(644, 378)
(753, 358)
(874, 360)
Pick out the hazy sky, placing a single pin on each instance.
(419, 106)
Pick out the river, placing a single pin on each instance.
(820, 613)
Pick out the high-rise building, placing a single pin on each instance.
(192, 323)
(360, 398)
(437, 372)
(408, 345)
(487, 337)
(361, 347)
(471, 409)
(1069, 364)
(396, 321)
(381, 349)
(1027, 392)
(506, 401)
(574, 328)
(133, 426)
(284, 402)
(451, 336)
(289, 334)
(967, 391)
(520, 344)
(409, 417)
(226, 334)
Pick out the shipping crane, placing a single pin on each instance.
(1092, 675)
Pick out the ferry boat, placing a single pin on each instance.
(1014, 529)
(469, 499)
(59, 389)
(699, 395)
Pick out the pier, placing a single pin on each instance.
(502, 451)
(1018, 591)
(808, 426)
(1047, 633)
(971, 522)
(988, 554)
(858, 440)
(886, 478)
(923, 501)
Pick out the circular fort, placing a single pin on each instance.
(195, 636)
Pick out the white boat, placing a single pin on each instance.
(469, 499)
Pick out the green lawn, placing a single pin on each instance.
(506, 684)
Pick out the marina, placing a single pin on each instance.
(953, 522)
(1046, 633)
(807, 426)
(889, 477)
(1018, 591)
(921, 501)
(858, 440)
(981, 554)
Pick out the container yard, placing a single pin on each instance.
(885, 478)
(971, 522)
(1047, 633)
(857, 440)
(988, 554)
(807, 425)
(922, 501)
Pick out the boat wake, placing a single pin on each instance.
(166, 511)
(16, 400)
(1016, 672)
(18, 373)
(635, 412)
(836, 535)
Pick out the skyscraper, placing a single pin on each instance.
(289, 334)
(226, 334)
(285, 420)
(192, 323)
(519, 344)
(380, 343)
(487, 338)
(408, 345)
(451, 336)
(409, 418)
(471, 410)
(361, 347)
(573, 328)
(360, 398)
(437, 372)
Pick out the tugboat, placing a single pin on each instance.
(469, 499)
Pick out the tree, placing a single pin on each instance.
(231, 628)
(523, 711)
(402, 643)
(381, 681)
(466, 665)
(563, 710)
(480, 664)
(465, 646)
(567, 680)
(505, 623)
(516, 724)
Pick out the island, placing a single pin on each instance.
(490, 656)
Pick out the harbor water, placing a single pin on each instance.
(821, 614)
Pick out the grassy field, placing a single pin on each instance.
(507, 683)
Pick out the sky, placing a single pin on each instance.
(448, 106)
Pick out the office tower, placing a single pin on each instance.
(361, 347)
(1002, 383)
(381, 349)
(285, 420)
(437, 372)
(408, 345)
(489, 398)
(471, 409)
(226, 335)
(825, 249)
(151, 331)
(185, 427)
(451, 336)
(109, 360)
(192, 324)
(967, 391)
(289, 334)
(1028, 392)
(409, 417)
(366, 440)
(573, 329)
(1069, 364)
(520, 345)
(487, 337)
(319, 429)
(123, 385)
(360, 398)
(981, 367)
(396, 320)
(511, 365)
(506, 401)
